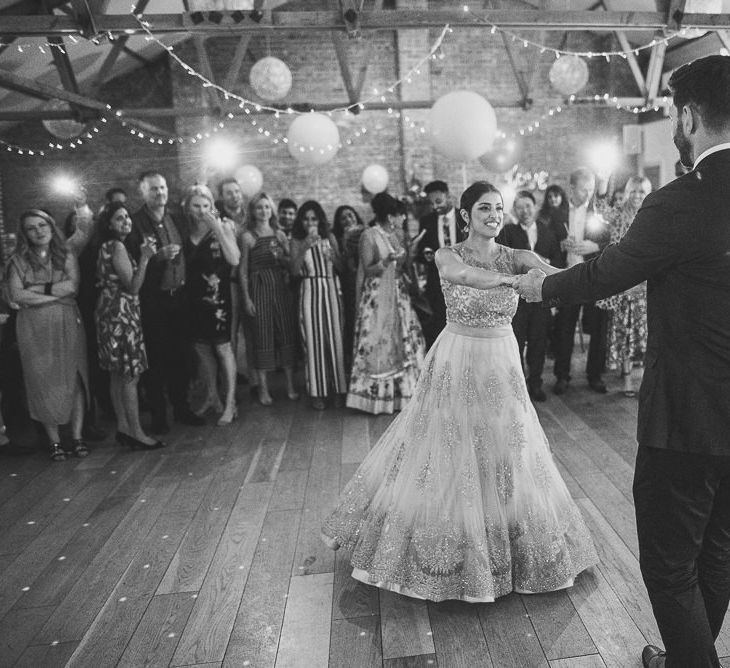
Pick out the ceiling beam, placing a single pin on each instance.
(206, 69)
(370, 20)
(193, 112)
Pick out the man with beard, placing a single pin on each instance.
(680, 243)
(439, 228)
(164, 305)
(286, 214)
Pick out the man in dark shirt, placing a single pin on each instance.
(530, 323)
(164, 305)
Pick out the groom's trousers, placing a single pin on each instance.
(682, 504)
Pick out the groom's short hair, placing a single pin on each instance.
(705, 84)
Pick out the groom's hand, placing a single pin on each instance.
(529, 285)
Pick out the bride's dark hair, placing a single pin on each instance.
(472, 195)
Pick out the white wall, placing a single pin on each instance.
(659, 150)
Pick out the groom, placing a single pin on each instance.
(680, 243)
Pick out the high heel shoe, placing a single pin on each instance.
(136, 444)
(223, 420)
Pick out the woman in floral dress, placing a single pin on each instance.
(389, 346)
(120, 342)
(627, 329)
(461, 498)
(211, 251)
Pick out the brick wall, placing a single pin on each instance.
(474, 59)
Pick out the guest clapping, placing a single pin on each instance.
(121, 346)
(266, 296)
(314, 257)
(210, 252)
(43, 280)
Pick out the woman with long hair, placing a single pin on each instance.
(263, 275)
(347, 228)
(43, 279)
(389, 346)
(460, 498)
(120, 343)
(315, 258)
(210, 252)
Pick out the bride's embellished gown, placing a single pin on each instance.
(460, 498)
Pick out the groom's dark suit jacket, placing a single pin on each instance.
(680, 243)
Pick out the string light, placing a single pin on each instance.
(493, 28)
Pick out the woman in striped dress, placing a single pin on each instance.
(315, 257)
(266, 295)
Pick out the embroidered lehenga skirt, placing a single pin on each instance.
(460, 498)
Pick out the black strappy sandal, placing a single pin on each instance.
(58, 454)
(80, 448)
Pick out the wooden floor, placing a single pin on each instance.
(207, 553)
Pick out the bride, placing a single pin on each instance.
(460, 498)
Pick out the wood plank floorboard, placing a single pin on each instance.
(207, 553)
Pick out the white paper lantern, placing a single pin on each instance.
(270, 78)
(250, 179)
(313, 139)
(62, 128)
(701, 7)
(375, 178)
(462, 125)
(569, 74)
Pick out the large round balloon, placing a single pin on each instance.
(313, 139)
(504, 154)
(270, 78)
(462, 125)
(250, 179)
(569, 74)
(375, 178)
(62, 128)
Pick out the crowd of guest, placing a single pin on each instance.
(166, 312)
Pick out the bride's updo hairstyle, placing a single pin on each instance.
(471, 196)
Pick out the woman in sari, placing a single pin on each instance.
(389, 346)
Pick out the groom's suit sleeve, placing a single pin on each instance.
(652, 244)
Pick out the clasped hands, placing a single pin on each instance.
(529, 285)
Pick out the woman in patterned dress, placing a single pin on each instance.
(210, 252)
(118, 327)
(263, 274)
(314, 258)
(43, 279)
(627, 329)
(389, 346)
(461, 498)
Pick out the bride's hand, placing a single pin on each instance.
(509, 280)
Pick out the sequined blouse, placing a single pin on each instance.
(482, 308)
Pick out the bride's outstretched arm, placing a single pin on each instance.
(453, 269)
(526, 260)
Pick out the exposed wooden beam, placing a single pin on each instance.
(366, 57)
(521, 83)
(234, 69)
(193, 112)
(675, 14)
(63, 64)
(45, 92)
(630, 55)
(654, 70)
(338, 40)
(206, 69)
(370, 20)
(724, 36)
(112, 56)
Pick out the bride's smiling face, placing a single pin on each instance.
(486, 216)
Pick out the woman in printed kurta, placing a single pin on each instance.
(461, 498)
(314, 258)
